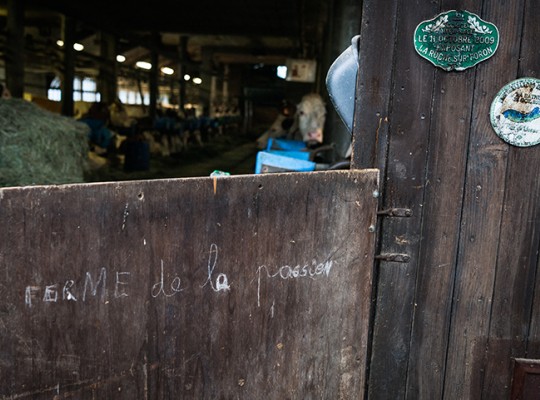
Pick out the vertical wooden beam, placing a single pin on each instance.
(213, 91)
(394, 124)
(68, 29)
(15, 47)
(225, 87)
(107, 82)
(374, 84)
(182, 50)
(206, 76)
(154, 74)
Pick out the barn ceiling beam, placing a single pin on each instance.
(265, 18)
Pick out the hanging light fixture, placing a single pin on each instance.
(167, 70)
(143, 65)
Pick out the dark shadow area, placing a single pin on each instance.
(235, 155)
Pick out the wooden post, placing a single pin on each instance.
(69, 66)
(182, 50)
(225, 86)
(15, 48)
(107, 83)
(206, 76)
(154, 75)
(213, 92)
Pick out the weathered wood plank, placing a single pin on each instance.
(257, 287)
(482, 214)
(444, 182)
(530, 66)
(373, 90)
(409, 124)
(469, 286)
(517, 259)
(516, 273)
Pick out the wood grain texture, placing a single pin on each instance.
(483, 206)
(446, 162)
(257, 287)
(374, 84)
(448, 323)
(530, 66)
(517, 293)
(408, 129)
(516, 273)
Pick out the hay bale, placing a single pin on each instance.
(38, 147)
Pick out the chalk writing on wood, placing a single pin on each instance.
(99, 285)
(181, 293)
(221, 280)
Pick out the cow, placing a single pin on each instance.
(304, 122)
(310, 116)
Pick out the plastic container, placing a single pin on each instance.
(270, 162)
(285, 144)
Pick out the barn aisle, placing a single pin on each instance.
(235, 155)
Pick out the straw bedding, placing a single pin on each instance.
(38, 147)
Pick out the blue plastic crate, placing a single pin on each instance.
(301, 155)
(285, 144)
(268, 162)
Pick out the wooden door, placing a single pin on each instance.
(240, 287)
(450, 321)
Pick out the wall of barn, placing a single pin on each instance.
(35, 84)
(449, 322)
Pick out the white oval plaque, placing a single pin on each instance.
(515, 112)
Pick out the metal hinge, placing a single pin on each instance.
(394, 257)
(396, 212)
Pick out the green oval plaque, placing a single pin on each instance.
(456, 40)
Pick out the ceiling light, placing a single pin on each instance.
(78, 46)
(143, 65)
(167, 70)
(187, 77)
(60, 43)
(120, 58)
(197, 81)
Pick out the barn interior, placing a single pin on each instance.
(230, 61)
(434, 233)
